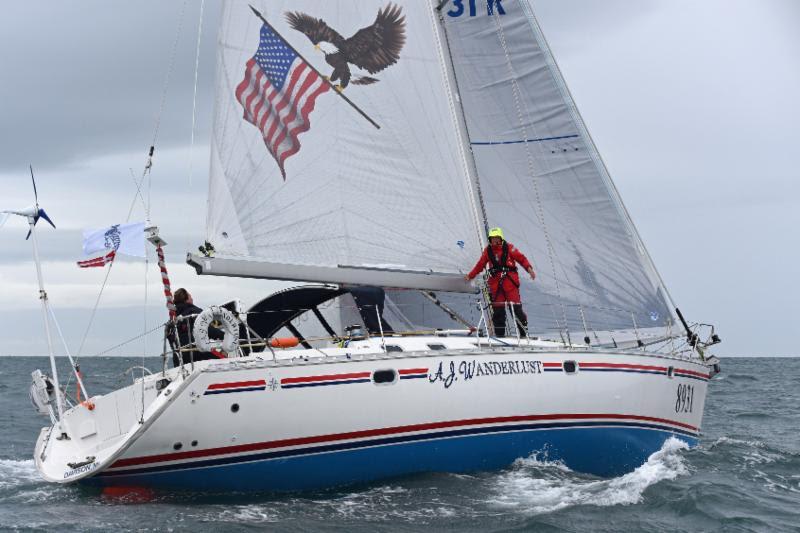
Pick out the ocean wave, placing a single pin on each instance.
(377, 504)
(742, 377)
(535, 486)
(731, 440)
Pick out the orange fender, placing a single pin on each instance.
(284, 342)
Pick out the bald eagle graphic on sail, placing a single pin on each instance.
(372, 49)
(280, 88)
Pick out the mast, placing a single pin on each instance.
(43, 298)
(481, 221)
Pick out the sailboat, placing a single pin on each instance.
(364, 149)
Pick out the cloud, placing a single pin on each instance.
(89, 82)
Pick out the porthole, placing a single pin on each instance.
(570, 367)
(437, 347)
(383, 377)
(235, 408)
(393, 348)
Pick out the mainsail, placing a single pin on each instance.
(477, 128)
(358, 203)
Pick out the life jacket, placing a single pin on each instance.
(501, 266)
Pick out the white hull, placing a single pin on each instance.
(315, 421)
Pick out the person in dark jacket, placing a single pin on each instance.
(502, 258)
(184, 306)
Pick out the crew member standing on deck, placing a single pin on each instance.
(502, 257)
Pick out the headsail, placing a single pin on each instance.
(542, 179)
(385, 204)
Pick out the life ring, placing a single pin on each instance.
(228, 323)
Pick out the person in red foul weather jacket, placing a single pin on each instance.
(502, 258)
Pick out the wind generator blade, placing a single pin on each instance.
(35, 194)
(47, 218)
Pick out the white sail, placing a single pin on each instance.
(542, 180)
(358, 203)
(476, 127)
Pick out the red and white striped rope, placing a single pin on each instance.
(162, 266)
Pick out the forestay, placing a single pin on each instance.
(357, 203)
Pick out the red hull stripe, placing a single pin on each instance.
(625, 366)
(332, 377)
(257, 383)
(405, 371)
(369, 433)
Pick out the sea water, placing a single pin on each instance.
(744, 476)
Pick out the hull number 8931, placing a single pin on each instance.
(683, 403)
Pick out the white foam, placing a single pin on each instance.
(731, 440)
(536, 486)
(15, 473)
(250, 514)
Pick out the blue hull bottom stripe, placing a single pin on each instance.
(656, 372)
(690, 377)
(601, 448)
(324, 383)
(223, 391)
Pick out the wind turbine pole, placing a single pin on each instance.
(43, 298)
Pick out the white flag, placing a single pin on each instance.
(125, 239)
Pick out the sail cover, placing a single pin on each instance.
(304, 180)
(542, 180)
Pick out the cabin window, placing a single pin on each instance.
(235, 408)
(177, 446)
(570, 367)
(437, 347)
(393, 348)
(384, 377)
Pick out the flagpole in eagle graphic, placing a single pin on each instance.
(280, 87)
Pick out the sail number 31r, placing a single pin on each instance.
(459, 8)
(683, 403)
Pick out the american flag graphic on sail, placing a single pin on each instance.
(278, 94)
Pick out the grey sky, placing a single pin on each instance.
(692, 104)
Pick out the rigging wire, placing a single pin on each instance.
(170, 69)
(194, 96)
(146, 170)
(144, 313)
(125, 343)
